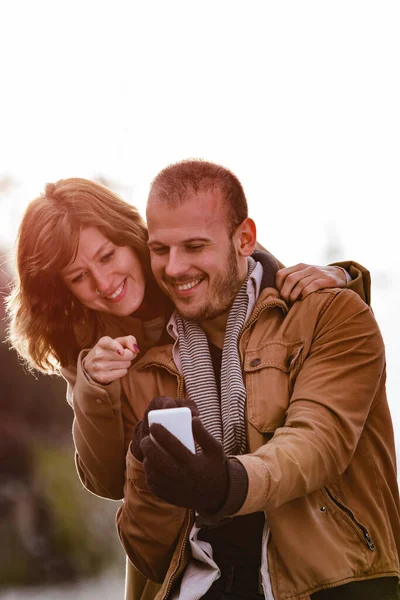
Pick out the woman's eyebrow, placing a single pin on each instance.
(69, 270)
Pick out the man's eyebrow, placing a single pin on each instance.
(69, 271)
(181, 243)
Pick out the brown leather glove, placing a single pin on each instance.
(141, 429)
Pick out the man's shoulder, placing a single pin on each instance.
(334, 309)
(339, 296)
(328, 314)
(342, 302)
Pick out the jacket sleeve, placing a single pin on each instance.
(149, 528)
(340, 379)
(98, 432)
(360, 276)
(360, 279)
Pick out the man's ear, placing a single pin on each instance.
(246, 237)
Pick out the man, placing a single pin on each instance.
(293, 491)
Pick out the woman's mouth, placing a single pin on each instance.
(119, 292)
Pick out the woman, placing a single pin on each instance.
(84, 304)
(54, 313)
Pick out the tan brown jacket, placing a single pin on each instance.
(104, 418)
(321, 461)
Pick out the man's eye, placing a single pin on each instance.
(195, 248)
(159, 250)
(107, 256)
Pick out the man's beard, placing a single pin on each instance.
(222, 295)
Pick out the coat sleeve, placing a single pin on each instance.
(360, 279)
(98, 432)
(149, 528)
(360, 276)
(340, 379)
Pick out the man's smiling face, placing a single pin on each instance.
(193, 259)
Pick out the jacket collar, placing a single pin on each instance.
(270, 268)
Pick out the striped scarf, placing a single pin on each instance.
(224, 419)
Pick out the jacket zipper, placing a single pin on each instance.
(177, 570)
(180, 387)
(180, 379)
(369, 541)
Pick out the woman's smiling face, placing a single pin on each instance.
(105, 277)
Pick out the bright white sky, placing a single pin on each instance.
(300, 99)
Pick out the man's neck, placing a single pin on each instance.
(215, 329)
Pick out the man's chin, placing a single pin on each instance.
(199, 314)
(190, 313)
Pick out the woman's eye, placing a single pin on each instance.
(107, 256)
(78, 278)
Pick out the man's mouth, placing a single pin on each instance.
(184, 288)
(181, 287)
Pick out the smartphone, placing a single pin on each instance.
(178, 421)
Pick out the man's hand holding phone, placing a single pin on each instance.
(177, 475)
(178, 421)
(161, 404)
(173, 473)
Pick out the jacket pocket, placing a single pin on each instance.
(360, 529)
(135, 472)
(270, 373)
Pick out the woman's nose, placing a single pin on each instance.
(102, 284)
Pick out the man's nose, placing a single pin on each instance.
(176, 264)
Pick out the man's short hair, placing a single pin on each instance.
(174, 184)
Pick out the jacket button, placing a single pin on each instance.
(323, 509)
(99, 401)
(255, 362)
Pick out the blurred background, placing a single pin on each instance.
(300, 99)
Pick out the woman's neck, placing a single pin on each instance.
(147, 311)
(155, 304)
